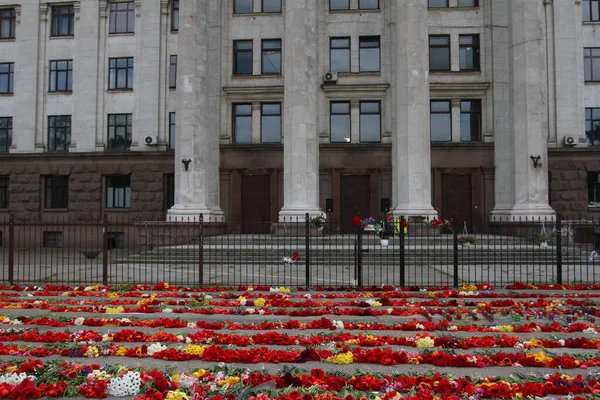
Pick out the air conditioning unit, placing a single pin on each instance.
(151, 140)
(570, 141)
(330, 77)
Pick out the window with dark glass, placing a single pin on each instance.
(63, 21)
(370, 121)
(7, 23)
(59, 133)
(242, 123)
(591, 10)
(339, 5)
(438, 4)
(169, 191)
(242, 57)
(122, 17)
(593, 184)
(468, 52)
(339, 54)
(271, 56)
(7, 77)
(172, 130)
(441, 121)
(61, 76)
(120, 127)
(339, 122)
(3, 193)
(592, 126)
(468, 3)
(470, 121)
(368, 4)
(369, 56)
(173, 72)
(118, 191)
(175, 15)
(270, 122)
(591, 64)
(56, 194)
(439, 53)
(271, 6)
(120, 73)
(6, 125)
(243, 6)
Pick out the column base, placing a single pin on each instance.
(183, 213)
(288, 214)
(409, 210)
(522, 212)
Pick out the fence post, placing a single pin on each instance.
(11, 249)
(307, 247)
(559, 266)
(455, 257)
(402, 254)
(201, 251)
(105, 249)
(359, 269)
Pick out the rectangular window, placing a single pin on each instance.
(468, 52)
(169, 191)
(118, 191)
(339, 54)
(438, 4)
(271, 56)
(339, 5)
(56, 192)
(439, 53)
(122, 17)
(242, 123)
(368, 4)
(370, 121)
(172, 130)
(120, 73)
(242, 57)
(53, 239)
(243, 6)
(120, 127)
(441, 121)
(116, 240)
(6, 125)
(591, 10)
(339, 122)
(7, 77)
(63, 21)
(591, 64)
(270, 122)
(592, 126)
(593, 183)
(59, 133)
(468, 3)
(175, 16)
(173, 73)
(7, 23)
(369, 54)
(470, 121)
(61, 76)
(3, 192)
(271, 6)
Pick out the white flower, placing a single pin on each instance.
(250, 310)
(274, 290)
(338, 324)
(126, 385)
(155, 348)
(125, 320)
(420, 326)
(167, 310)
(188, 340)
(390, 310)
(78, 321)
(261, 311)
(308, 296)
(15, 379)
(519, 345)
(107, 337)
(180, 338)
(191, 325)
(591, 329)
(207, 296)
(16, 321)
(243, 302)
(453, 328)
(561, 342)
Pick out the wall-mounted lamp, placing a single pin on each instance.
(186, 163)
(536, 161)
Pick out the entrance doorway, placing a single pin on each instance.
(256, 204)
(355, 199)
(457, 199)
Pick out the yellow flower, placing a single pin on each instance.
(414, 360)
(533, 343)
(241, 299)
(11, 368)
(195, 349)
(176, 395)
(540, 357)
(92, 352)
(120, 351)
(260, 302)
(176, 378)
(199, 374)
(341, 358)
(284, 290)
(166, 285)
(114, 310)
(505, 328)
(368, 295)
(112, 295)
(425, 342)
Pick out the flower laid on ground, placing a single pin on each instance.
(363, 223)
(467, 239)
(293, 258)
(385, 229)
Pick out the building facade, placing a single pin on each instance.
(268, 109)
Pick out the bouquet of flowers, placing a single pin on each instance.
(467, 239)
(319, 220)
(363, 223)
(290, 260)
(385, 229)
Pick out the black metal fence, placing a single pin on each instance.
(214, 252)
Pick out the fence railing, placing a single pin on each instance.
(206, 251)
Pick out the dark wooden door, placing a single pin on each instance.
(355, 199)
(457, 198)
(256, 204)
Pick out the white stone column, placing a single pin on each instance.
(301, 141)
(411, 154)
(198, 116)
(522, 189)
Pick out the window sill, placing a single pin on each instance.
(119, 90)
(260, 76)
(60, 92)
(592, 83)
(359, 73)
(117, 34)
(172, 89)
(7, 94)
(174, 31)
(453, 8)
(8, 39)
(62, 37)
(356, 10)
(55, 210)
(591, 22)
(117, 210)
(258, 14)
